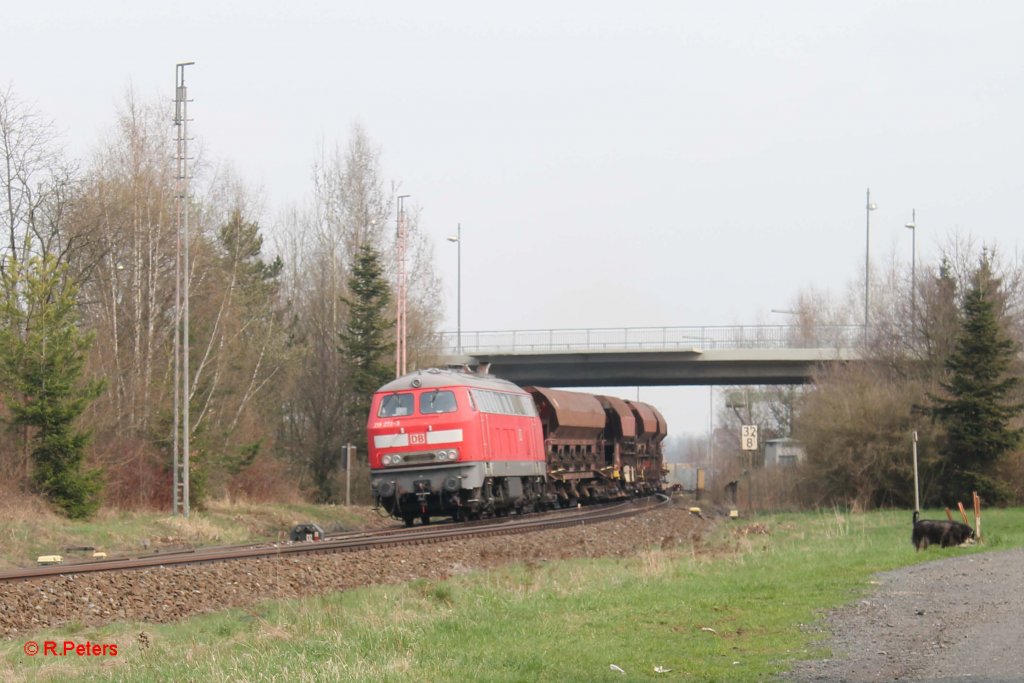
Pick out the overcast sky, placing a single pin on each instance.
(657, 163)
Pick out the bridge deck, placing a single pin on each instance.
(656, 356)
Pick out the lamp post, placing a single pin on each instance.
(868, 208)
(912, 225)
(458, 288)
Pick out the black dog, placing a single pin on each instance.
(946, 534)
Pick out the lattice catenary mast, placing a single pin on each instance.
(181, 271)
(403, 293)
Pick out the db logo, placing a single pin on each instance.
(417, 438)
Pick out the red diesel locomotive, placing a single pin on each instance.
(460, 444)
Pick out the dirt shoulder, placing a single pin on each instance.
(953, 619)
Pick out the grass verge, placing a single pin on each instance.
(737, 609)
(29, 529)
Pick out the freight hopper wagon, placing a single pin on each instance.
(647, 457)
(633, 435)
(599, 447)
(454, 444)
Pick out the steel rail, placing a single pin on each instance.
(351, 541)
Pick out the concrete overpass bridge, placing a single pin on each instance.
(657, 356)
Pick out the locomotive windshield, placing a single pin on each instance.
(396, 405)
(437, 401)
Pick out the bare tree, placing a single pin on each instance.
(129, 201)
(37, 184)
(855, 424)
(124, 221)
(239, 335)
(425, 309)
(351, 208)
(37, 190)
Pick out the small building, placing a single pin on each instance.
(783, 452)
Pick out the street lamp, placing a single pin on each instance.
(912, 225)
(458, 289)
(868, 208)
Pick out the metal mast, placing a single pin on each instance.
(868, 208)
(458, 291)
(181, 271)
(913, 269)
(403, 294)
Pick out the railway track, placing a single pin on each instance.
(353, 541)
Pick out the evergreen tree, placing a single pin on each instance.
(978, 407)
(240, 341)
(364, 346)
(42, 354)
(243, 252)
(366, 340)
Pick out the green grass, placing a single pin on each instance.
(738, 608)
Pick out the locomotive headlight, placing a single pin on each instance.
(444, 456)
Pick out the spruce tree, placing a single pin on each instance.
(978, 404)
(366, 345)
(42, 356)
(366, 340)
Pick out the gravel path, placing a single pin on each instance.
(955, 619)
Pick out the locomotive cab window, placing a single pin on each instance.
(432, 402)
(396, 405)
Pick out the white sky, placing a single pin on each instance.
(662, 163)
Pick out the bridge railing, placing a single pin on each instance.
(700, 338)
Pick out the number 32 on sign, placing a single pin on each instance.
(748, 437)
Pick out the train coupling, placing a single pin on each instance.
(421, 487)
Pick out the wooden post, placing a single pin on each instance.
(977, 516)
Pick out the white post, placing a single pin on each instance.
(917, 499)
(348, 474)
